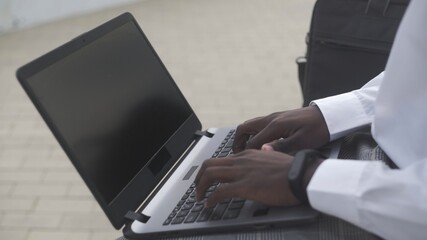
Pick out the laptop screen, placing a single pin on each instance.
(114, 105)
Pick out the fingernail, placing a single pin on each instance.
(267, 147)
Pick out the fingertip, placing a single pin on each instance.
(198, 198)
(209, 203)
(212, 199)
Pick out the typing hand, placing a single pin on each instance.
(256, 175)
(287, 131)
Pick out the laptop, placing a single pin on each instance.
(134, 139)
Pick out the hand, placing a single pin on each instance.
(287, 131)
(256, 175)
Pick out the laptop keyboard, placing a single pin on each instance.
(189, 211)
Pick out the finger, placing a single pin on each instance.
(245, 130)
(210, 163)
(212, 175)
(222, 192)
(285, 145)
(298, 141)
(268, 134)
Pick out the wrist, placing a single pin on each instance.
(301, 170)
(311, 169)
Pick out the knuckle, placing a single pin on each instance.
(239, 128)
(273, 115)
(206, 164)
(208, 175)
(251, 120)
(278, 121)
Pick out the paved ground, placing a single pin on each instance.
(233, 60)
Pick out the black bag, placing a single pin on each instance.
(348, 44)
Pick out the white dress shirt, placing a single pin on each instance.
(389, 203)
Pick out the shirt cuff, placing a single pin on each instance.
(328, 193)
(343, 114)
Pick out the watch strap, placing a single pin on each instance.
(296, 173)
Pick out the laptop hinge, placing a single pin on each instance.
(199, 133)
(136, 216)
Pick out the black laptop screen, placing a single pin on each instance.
(113, 104)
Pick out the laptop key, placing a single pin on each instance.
(180, 203)
(236, 205)
(202, 202)
(167, 221)
(191, 217)
(226, 149)
(172, 215)
(211, 188)
(197, 208)
(178, 220)
(219, 211)
(208, 194)
(183, 213)
(187, 206)
(185, 196)
(223, 154)
(226, 200)
(204, 216)
(176, 209)
(231, 213)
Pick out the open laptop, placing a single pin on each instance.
(134, 139)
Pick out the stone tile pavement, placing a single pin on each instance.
(233, 60)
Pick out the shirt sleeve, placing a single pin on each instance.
(388, 202)
(350, 111)
(391, 203)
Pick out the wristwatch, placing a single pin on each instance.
(302, 160)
